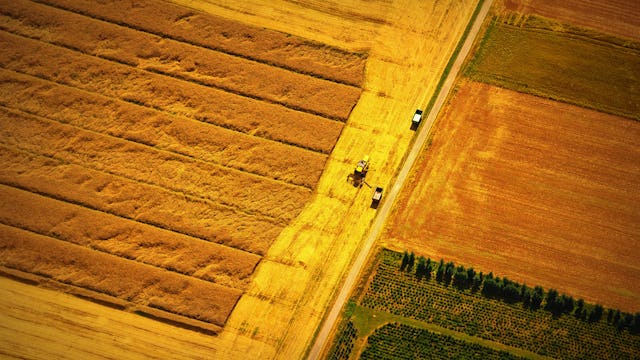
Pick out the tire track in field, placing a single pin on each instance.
(176, 96)
(142, 125)
(205, 30)
(128, 239)
(233, 188)
(131, 200)
(178, 59)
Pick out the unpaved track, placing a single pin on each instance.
(357, 267)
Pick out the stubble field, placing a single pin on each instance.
(148, 161)
(536, 190)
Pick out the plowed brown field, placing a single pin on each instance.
(152, 157)
(617, 17)
(539, 191)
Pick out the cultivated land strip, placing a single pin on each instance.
(154, 128)
(171, 95)
(126, 238)
(206, 30)
(134, 200)
(126, 279)
(233, 188)
(179, 59)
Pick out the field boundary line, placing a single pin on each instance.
(209, 47)
(144, 182)
(320, 343)
(181, 77)
(177, 117)
(226, 126)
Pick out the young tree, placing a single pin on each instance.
(596, 315)
(440, 271)
(511, 293)
(448, 272)
(429, 268)
(421, 269)
(579, 307)
(471, 274)
(536, 298)
(568, 304)
(460, 278)
(411, 261)
(405, 261)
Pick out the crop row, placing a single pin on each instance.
(181, 135)
(138, 201)
(179, 59)
(125, 279)
(126, 238)
(399, 341)
(246, 192)
(539, 331)
(177, 22)
(169, 94)
(344, 342)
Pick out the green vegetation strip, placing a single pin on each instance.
(366, 321)
(541, 57)
(399, 341)
(465, 311)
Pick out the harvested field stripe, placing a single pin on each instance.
(129, 239)
(122, 278)
(245, 192)
(170, 94)
(151, 127)
(180, 60)
(349, 72)
(147, 204)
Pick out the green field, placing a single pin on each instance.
(394, 296)
(561, 62)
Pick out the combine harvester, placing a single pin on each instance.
(360, 172)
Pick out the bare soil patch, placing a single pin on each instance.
(539, 191)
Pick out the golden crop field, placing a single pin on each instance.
(214, 134)
(149, 169)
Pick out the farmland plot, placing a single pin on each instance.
(157, 163)
(616, 17)
(540, 191)
(542, 57)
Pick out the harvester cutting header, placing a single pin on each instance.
(360, 172)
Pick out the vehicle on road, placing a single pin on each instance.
(417, 118)
(377, 195)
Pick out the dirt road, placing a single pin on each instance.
(356, 269)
